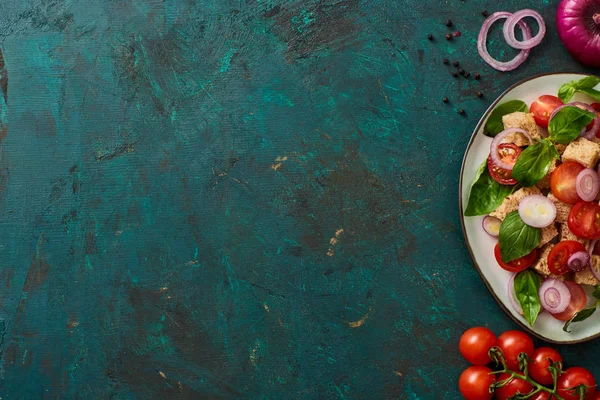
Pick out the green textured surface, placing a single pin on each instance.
(241, 199)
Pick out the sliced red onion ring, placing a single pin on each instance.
(554, 295)
(579, 261)
(537, 211)
(591, 248)
(595, 271)
(513, 296)
(491, 226)
(482, 46)
(509, 30)
(587, 184)
(591, 133)
(498, 141)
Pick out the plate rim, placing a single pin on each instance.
(504, 308)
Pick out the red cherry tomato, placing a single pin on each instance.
(584, 220)
(513, 387)
(596, 395)
(563, 182)
(542, 396)
(559, 255)
(543, 107)
(578, 302)
(517, 265)
(542, 358)
(474, 383)
(572, 378)
(513, 343)
(475, 343)
(508, 153)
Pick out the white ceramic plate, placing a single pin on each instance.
(481, 245)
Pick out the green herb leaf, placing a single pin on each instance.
(567, 123)
(494, 125)
(580, 316)
(593, 93)
(566, 92)
(586, 83)
(534, 162)
(486, 194)
(596, 292)
(517, 239)
(527, 286)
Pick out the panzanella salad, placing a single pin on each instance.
(539, 191)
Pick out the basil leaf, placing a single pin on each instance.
(534, 162)
(527, 286)
(593, 93)
(586, 83)
(567, 123)
(517, 239)
(580, 316)
(596, 292)
(486, 194)
(566, 92)
(494, 125)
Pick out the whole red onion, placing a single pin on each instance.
(578, 23)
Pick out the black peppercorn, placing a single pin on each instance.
(466, 74)
(448, 23)
(461, 71)
(479, 94)
(446, 61)
(430, 36)
(455, 74)
(448, 36)
(484, 13)
(461, 111)
(445, 100)
(477, 76)
(456, 63)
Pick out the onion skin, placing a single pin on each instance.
(578, 30)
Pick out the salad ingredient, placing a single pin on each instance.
(594, 248)
(577, 22)
(477, 77)
(475, 344)
(513, 343)
(517, 239)
(542, 358)
(482, 47)
(579, 261)
(484, 13)
(430, 36)
(508, 152)
(491, 225)
(588, 184)
(585, 313)
(445, 100)
(513, 387)
(474, 383)
(543, 107)
(446, 61)
(513, 296)
(479, 94)
(455, 74)
(534, 162)
(584, 220)
(594, 267)
(505, 160)
(578, 302)
(563, 182)
(527, 287)
(566, 91)
(567, 123)
(461, 111)
(537, 211)
(591, 129)
(456, 63)
(558, 259)
(554, 295)
(511, 23)
(494, 125)
(579, 378)
(486, 193)
(448, 23)
(517, 265)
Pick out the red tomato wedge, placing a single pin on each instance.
(559, 255)
(563, 182)
(517, 265)
(543, 107)
(578, 302)
(584, 220)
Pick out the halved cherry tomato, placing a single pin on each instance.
(559, 255)
(543, 107)
(508, 153)
(563, 182)
(542, 358)
(517, 265)
(513, 343)
(573, 377)
(578, 302)
(513, 387)
(584, 220)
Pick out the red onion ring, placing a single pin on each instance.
(579, 261)
(511, 295)
(509, 30)
(596, 273)
(554, 295)
(482, 46)
(498, 140)
(587, 184)
(591, 249)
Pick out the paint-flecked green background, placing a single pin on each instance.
(242, 199)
